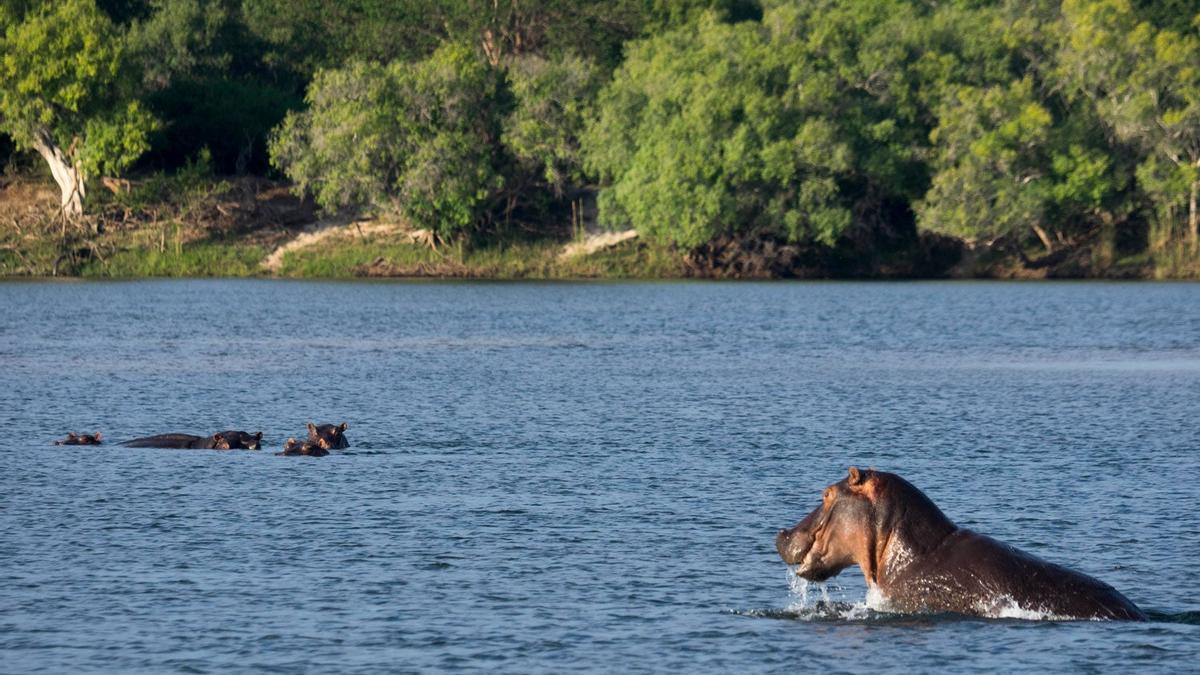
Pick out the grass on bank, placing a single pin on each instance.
(1177, 261)
(347, 257)
(167, 226)
(204, 259)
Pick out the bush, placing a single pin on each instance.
(553, 98)
(417, 139)
(702, 133)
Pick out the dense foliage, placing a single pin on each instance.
(704, 132)
(419, 139)
(64, 92)
(1037, 124)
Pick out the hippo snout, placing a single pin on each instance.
(793, 544)
(780, 541)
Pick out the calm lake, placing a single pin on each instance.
(579, 476)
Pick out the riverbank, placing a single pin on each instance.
(253, 227)
(195, 226)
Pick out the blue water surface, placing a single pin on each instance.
(579, 476)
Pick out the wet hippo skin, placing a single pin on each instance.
(921, 562)
(328, 436)
(222, 440)
(321, 439)
(307, 448)
(80, 439)
(242, 440)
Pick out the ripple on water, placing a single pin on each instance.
(565, 477)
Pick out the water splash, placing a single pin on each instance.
(798, 587)
(820, 601)
(811, 601)
(875, 600)
(1005, 607)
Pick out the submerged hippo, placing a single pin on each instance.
(80, 439)
(242, 440)
(921, 562)
(222, 440)
(328, 436)
(307, 447)
(321, 439)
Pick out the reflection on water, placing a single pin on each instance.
(557, 477)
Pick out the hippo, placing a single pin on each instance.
(328, 436)
(308, 447)
(919, 561)
(222, 440)
(242, 439)
(80, 439)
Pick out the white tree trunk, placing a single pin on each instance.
(1194, 217)
(67, 175)
(1046, 241)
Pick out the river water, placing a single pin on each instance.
(579, 476)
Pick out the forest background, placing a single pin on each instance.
(778, 138)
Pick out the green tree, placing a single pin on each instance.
(204, 75)
(553, 98)
(180, 38)
(1005, 167)
(416, 139)
(304, 36)
(704, 132)
(1145, 83)
(65, 91)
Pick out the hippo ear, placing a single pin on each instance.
(258, 436)
(342, 426)
(312, 428)
(218, 436)
(98, 435)
(855, 477)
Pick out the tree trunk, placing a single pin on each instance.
(1046, 241)
(66, 174)
(1194, 218)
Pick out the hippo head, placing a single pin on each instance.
(328, 436)
(81, 439)
(858, 516)
(835, 535)
(307, 447)
(243, 440)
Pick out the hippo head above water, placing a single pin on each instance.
(328, 436)
(81, 439)
(854, 514)
(241, 440)
(306, 448)
(920, 561)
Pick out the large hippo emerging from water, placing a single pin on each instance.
(921, 562)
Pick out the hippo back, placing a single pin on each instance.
(974, 574)
(166, 441)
